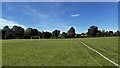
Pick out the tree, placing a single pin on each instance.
(83, 35)
(46, 35)
(3, 33)
(6, 28)
(111, 33)
(20, 32)
(28, 33)
(107, 33)
(117, 33)
(56, 33)
(92, 31)
(99, 33)
(17, 32)
(40, 34)
(34, 32)
(71, 32)
(64, 35)
(78, 35)
(7, 33)
(103, 33)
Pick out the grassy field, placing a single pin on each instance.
(60, 52)
(0, 53)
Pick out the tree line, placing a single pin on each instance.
(17, 32)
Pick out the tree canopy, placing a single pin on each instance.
(17, 32)
(71, 32)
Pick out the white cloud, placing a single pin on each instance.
(75, 15)
(10, 23)
(34, 12)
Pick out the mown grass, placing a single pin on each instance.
(0, 53)
(108, 46)
(60, 52)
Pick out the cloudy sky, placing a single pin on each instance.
(48, 16)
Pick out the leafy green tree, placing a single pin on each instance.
(99, 33)
(71, 33)
(78, 35)
(103, 33)
(64, 35)
(83, 35)
(107, 33)
(111, 33)
(46, 35)
(28, 33)
(55, 33)
(40, 34)
(3, 33)
(92, 31)
(117, 33)
(34, 32)
(17, 32)
(7, 33)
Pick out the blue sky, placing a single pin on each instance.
(48, 16)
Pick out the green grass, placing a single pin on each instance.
(60, 52)
(106, 46)
(0, 53)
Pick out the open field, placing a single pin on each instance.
(60, 52)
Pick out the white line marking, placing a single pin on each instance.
(101, 55)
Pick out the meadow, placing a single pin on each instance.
(59, 52)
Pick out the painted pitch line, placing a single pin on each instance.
(101, 54)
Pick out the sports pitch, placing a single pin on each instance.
(60, 52)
